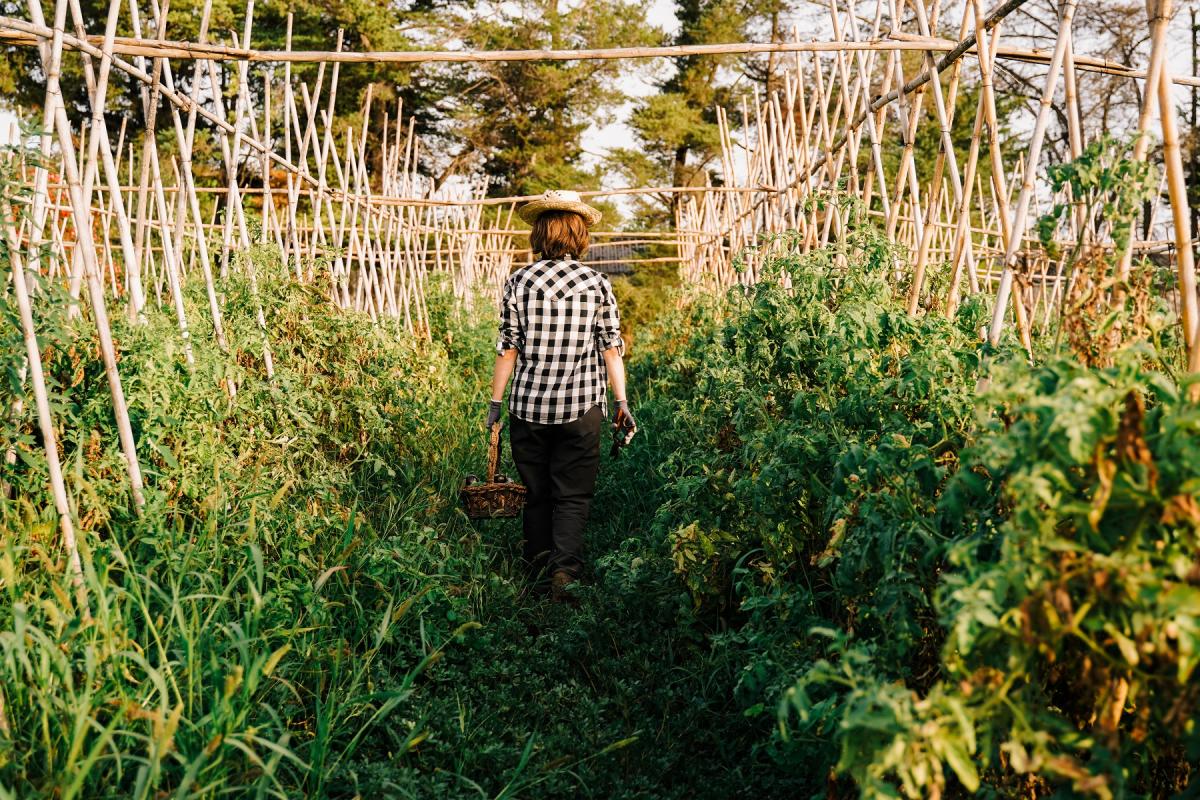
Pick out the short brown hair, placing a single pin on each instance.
(559, 233)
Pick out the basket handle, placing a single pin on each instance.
(493, 452)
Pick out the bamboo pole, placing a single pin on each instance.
(962, 233)
(41, 397)
(185, 135)
(925, 76)
(1158, 49)
(150, 112)
(87, 251)
(1177, 189)
(99, 144)
(1031, 164)
(945, 113)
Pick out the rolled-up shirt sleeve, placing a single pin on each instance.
(511, 336)
(608, 321)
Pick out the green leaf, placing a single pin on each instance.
(962, 764)
(1124, 644)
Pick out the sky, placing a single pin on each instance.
(636, 83)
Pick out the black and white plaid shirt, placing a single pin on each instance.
(560, 316)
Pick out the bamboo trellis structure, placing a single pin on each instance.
(822, 134)
(116, 214)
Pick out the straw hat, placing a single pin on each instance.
(559, 200)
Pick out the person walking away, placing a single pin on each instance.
(560, 342)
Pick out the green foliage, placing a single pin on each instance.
(939, 589)
(1087, 592)
(1101, 309)
(1108, 186)
(644, 298)
(253, 627)
(831, 564)
(899, 740)
(303, 611)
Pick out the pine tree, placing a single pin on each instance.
(676, 129)
(520, 122)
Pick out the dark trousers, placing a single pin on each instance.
(558, 465)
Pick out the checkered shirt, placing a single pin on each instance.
(560, 316)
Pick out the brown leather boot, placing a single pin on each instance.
(560, 583)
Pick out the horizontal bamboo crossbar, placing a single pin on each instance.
(525, 198)
(1040, 56)
(152, 48)
(22, 33)
(385, 200)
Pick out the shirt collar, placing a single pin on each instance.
(561, 278)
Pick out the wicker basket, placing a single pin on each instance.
(498, 496)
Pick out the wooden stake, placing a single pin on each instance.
(1031, 164)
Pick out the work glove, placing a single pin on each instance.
(493, 415)
(624, 425)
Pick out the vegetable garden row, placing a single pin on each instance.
(839, 566)
(915, 511)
